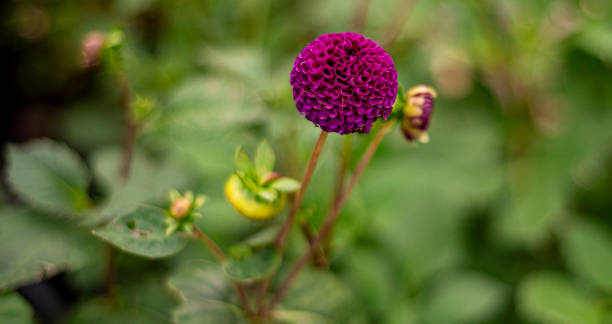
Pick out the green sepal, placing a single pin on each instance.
(264, 159)
(399, 104)
(244, 165)
(286, 184)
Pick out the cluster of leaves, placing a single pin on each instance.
(503, 217)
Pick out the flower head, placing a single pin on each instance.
(417, 113)
(343, 82)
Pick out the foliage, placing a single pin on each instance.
(503, 217)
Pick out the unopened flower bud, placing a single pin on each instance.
(251, 204)
(91, 50)
(417, 113)
(180, 208)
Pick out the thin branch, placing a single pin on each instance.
(331, 216)
(281, 239)
(214, 248)
(345, 157)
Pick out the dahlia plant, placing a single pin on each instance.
(343, 83)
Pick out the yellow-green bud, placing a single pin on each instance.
(248, 204)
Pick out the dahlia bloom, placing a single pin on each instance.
(343, 82)
(417, 113)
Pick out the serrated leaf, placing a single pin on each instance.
(142, 232)
(15, 310)
(49, 176)
(256, 266)
(35, 246)
(587, 249)
(264, 159)
(286, 184)
(480, 297)
(550, 298)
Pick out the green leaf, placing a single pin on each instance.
(201, 280)
(15, 310)
(265, 236)
(551, 298)
(256, 266)
(480, 297)
(36, 246)
(209, 312)
(142, 232)
(298, 317)
(140, 188)
(286, 184)
(264, 159)
(322, 293)
(243, 163)
(587, 249)
(49, 176)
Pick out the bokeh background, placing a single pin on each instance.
(504, 217)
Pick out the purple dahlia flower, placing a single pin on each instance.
(343, 82)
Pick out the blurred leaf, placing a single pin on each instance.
(587, 249)
(244, 164)
(464, 298)
(49, 176)
(209, 312)
(142, 232)
(201, 280)
(149, 182)
(143, 301)
(322, 293)
(15, 310)
(286, 184)
(264, 159)
(35, 247)
(298, 317)
(265, 236)
(242, 61)
(260, 264)
(551, 298)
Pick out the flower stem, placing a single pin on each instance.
(283, 234)
(281, 238)
(345, 157)
(214, 248)
(331, 216)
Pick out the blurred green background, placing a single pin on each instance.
(504, 217)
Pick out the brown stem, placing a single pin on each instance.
(281, 239)
(319, 259)
(214, 248)
(331, 216)
(345, 156)
(110, 272)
